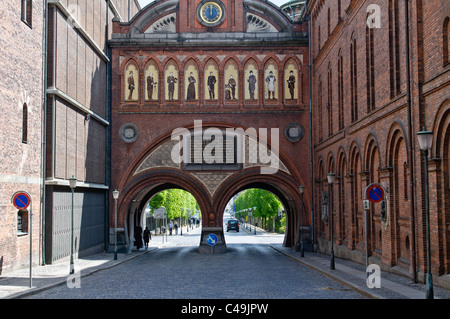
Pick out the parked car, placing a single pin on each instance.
(233, 224)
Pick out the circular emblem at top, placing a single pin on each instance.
(211, 13)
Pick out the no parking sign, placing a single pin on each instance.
(375, 193)
(21, 200)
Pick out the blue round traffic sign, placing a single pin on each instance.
(211, 239)
(21, 200)
(375, 193)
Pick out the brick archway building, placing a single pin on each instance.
(171, 70)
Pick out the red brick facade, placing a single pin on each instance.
(190, 51)
(364, 133)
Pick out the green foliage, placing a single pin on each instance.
(173, 200)
(266, 203)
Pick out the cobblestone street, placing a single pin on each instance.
(250, 269)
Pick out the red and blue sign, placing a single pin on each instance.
(21, 200)
(375, 193)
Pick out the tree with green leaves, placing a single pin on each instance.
(266, 203)
(174, 199)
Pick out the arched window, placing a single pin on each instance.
(341, 90)
(394, 48)
(445, 40)
(370, 69)
(330, 101)
(354, 79)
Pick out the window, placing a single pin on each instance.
(25, 124)
(318, 40)
(27, 12)
(22, 222)
(319, 102)
(329, 22)
(370, 69)
(394, 49)
(353, 80)
(339, 10)
(330, 101)
(445, 41)
(341, 91)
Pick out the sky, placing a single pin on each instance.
(276, 2)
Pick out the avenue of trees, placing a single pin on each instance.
(267, 208)
(174, 199)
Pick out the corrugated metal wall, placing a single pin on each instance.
(89, 223)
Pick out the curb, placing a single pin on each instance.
(344, 282)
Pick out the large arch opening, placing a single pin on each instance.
(252, 212)
(135, 197)
(298, 221)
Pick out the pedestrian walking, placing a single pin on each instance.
(170, 228)
(147, 237)
(176, 228)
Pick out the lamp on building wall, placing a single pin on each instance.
(425, 141)
(331, 176)
(115, 196)
(73, 185)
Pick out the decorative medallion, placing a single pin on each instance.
(211, 13)
(129, 133)
(294, 132)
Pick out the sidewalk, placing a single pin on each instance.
(16, 284)
(353, 275)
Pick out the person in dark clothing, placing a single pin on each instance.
(147, 237)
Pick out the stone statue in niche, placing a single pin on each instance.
(211, 83)
(151, 84)
(171, 81)
(191, 87)
(131, 85)
(291, 84)
(230, 89)
(271, 79)
(251, 85)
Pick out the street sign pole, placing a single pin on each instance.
(373, 193)
(31, 243)
(22, 200)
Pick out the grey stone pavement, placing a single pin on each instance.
(15, 285)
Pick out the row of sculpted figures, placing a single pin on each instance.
(170, 85)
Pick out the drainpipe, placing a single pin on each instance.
(44, 127)
(108, 131)
(410, 149)
(308, 15)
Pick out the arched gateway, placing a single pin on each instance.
(211, 97)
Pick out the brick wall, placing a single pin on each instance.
(382, 131)
(21, 65)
